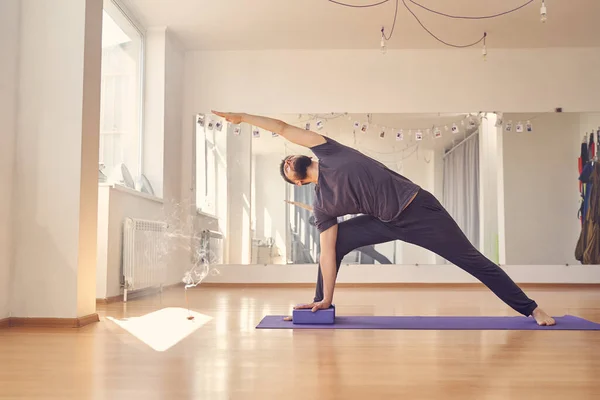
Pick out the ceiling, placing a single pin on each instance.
(321, 24)
(341, 127)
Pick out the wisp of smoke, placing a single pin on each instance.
(183, 242)
(203, 266)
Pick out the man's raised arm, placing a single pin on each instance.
(294, 134)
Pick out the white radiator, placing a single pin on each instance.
(144, 265)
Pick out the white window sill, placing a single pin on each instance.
(132, 192)
(205, 214)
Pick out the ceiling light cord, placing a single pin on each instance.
(471, 17)
(437, 38)
(385, 38)
(393, 24)
(358, 6)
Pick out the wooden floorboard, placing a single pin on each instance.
(154, 355)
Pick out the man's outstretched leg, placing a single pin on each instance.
(427, 224)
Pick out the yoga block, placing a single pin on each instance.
(320, 317)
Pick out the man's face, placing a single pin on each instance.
(296, 169)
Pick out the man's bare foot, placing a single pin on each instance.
(287, 318)
(542, 318)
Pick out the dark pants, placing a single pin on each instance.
(371, 255)
(427, 224)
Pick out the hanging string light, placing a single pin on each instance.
(383, 46)
(543, 15)
(318, 121)
(384, 38)
(484, 51)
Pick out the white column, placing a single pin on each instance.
(500, 192)
(9, 43)
(162, 135)
(56, 185)
(154, 108)
(172, 148)
(438, 187)
(239, 176)
(488, 188)
(222, 140)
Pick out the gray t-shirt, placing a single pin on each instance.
(352, 183)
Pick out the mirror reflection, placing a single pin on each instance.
(518, 185)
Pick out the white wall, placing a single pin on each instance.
(589, 122)
(541, 188)
(57, 159)
(9, 40)
(411, 81)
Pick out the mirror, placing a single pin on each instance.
(510, 181)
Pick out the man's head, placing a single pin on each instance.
(294, 169)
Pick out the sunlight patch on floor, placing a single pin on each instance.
(164, 328)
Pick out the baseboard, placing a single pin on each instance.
(110, 300)
(138, 294)
(53, 322)
(174, 286)
(4, 323)
(401, 274)
(87, 320)
(397, 285)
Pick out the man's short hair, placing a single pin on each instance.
(282, 171)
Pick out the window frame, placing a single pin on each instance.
(116, 6)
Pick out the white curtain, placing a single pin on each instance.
(461, 187)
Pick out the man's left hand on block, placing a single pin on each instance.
(321, 305)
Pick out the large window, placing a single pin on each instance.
(121, 95)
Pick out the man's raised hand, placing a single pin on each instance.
(292, 133)
(234, 118)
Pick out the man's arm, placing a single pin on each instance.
(328, 264)
(298, 204)
(294, 134)
(327, 272)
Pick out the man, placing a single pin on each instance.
(348, 182)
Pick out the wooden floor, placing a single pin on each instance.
(157, 356)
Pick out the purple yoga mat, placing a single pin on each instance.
(566, 323)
